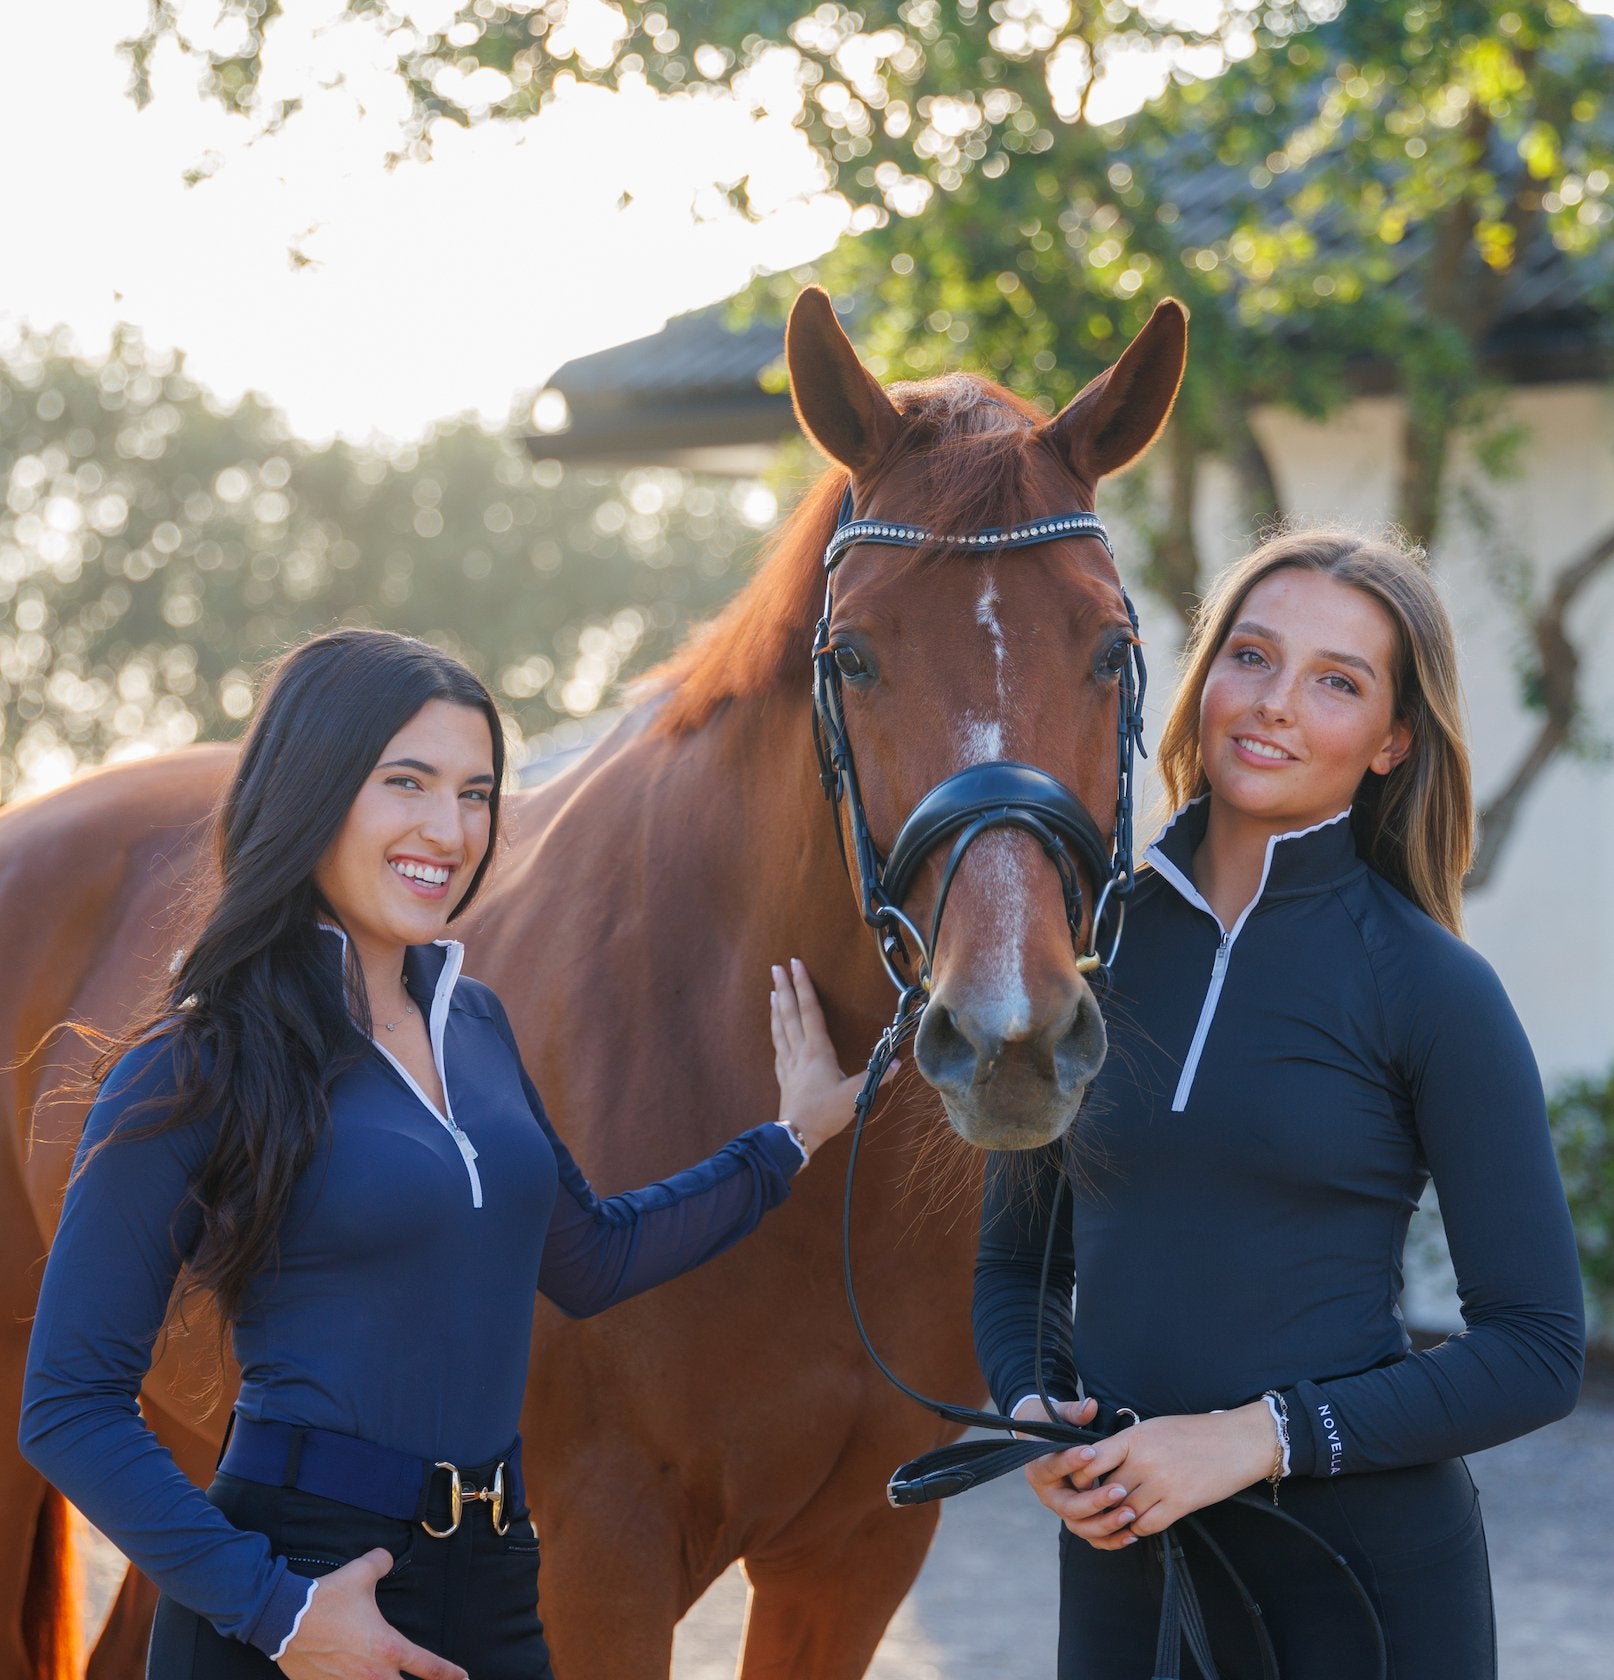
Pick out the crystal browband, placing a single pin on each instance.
(916, 536)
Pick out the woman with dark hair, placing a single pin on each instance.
(1300, 1040)
(327, 1129)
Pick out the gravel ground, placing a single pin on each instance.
(984, 1604)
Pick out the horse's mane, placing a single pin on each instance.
(974, 440)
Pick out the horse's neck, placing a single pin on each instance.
(747, 786)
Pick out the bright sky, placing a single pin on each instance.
(431, 290)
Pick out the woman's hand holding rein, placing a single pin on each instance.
(1143, 1478)
(816, 1099)
(343, 1636)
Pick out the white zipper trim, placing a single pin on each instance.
(437, 1028)
(1224, 950)
(1207, 1013)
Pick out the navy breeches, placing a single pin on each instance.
(1414, 1539)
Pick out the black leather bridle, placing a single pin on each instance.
(963, 807)
(981, 797)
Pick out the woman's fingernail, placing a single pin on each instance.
(1088, 1453)
(795, 963)
(1115, 1493)
(1129, 1540)
(1125, 1517)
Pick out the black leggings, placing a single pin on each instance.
(1414, 1538)
(472, 1598)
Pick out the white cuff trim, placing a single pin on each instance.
(795, 1137)
(275, 1656)
(1280, 1424)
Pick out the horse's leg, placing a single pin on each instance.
(818, 1612)
(40, 1607)
(41, 1635)
(615, 1578)
(120, 1652)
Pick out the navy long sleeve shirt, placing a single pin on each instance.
(413, 1233)
(1275, 1098)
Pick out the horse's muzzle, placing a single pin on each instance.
(1006, 1085)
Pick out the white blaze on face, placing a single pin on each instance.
(996, 868)
(986, 615)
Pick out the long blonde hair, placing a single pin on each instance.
(1415, 825)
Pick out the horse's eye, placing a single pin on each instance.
(849, 662)
(1115, 659)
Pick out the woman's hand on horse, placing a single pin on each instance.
(342, 1635)
(1142, 1479)
(816, 1098)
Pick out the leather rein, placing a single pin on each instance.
(961, 808)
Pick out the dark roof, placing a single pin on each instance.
(692, 356)
(695, 387)
(689, 395)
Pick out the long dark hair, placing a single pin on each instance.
(259, 1019)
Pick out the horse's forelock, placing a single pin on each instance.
(971, 447)
(967, 448)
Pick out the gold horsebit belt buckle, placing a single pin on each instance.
(459, 1494)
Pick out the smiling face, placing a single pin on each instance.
(412, 839)
(1299, 702)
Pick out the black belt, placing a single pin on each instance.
(370, 1477)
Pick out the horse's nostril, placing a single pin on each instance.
(1079, 1050)
(958, 1048)
(946, 1057)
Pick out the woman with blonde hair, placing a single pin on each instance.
(1300, 1040)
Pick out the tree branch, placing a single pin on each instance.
(1258, 482)
(1557, 681)
(1175, 566)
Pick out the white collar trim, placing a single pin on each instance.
(1164, 866)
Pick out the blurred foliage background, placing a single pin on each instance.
(1582, 1114)
(155, 547)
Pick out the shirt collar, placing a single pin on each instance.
(430, 971)
(1302, 861)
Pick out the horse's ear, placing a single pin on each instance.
(1114, 419)
(838, 401)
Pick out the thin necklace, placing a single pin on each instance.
(409, 1009)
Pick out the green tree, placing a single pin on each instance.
(1339, 192)
(155, 547)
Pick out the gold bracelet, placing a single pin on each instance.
(1279, 1408)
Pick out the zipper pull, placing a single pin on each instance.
(1219, 965)
(467, 1148)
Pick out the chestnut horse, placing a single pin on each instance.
(629, 928)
